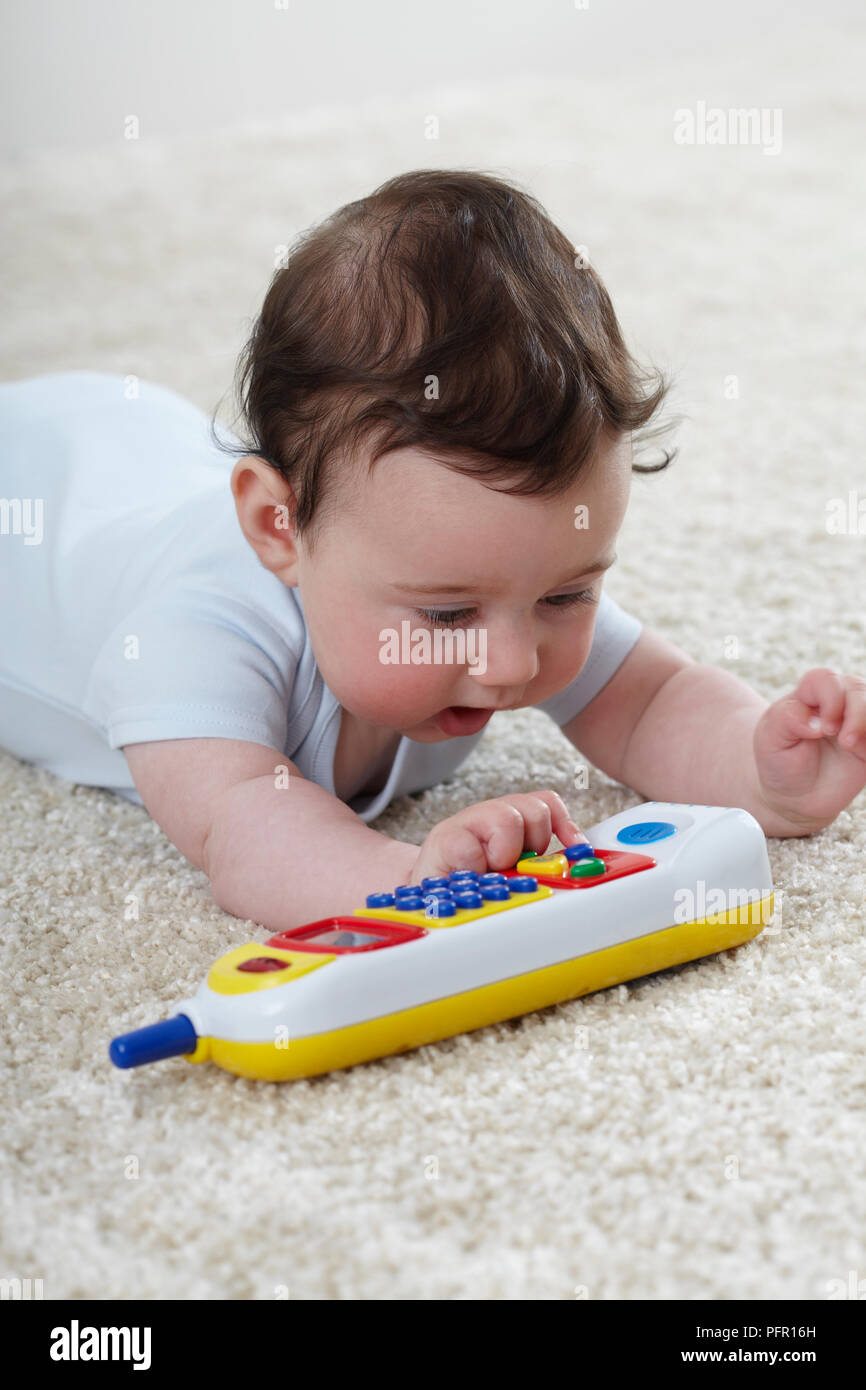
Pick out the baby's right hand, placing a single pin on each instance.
(492, 835)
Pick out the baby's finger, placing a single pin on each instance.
(512, 822)
(790, 720)
(822, 691)
(505, 826)
(567, 831)
(852, 734)
(456, 845)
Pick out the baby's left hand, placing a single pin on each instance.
(810, 748)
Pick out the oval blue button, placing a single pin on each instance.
(468, 900)
(645, 831)
(579, 851)
(439, 907)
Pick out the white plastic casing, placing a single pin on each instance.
(715, 861)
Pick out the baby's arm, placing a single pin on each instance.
(675, 730)
(268, 841)
(281, 851)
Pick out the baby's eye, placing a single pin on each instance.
(450, 617)
(567, 600)
(441, 617)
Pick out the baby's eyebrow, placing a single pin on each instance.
(461, 587)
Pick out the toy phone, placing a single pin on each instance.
(657, 885)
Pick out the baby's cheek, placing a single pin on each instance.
(409, 683)
(381, 674)
(561, 662)
(355, 643)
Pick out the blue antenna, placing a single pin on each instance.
(171, 1038)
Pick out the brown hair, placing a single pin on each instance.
(446, 312)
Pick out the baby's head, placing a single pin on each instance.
(440, 410)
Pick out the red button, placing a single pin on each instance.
(258, 964)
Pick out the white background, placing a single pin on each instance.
(71, 71)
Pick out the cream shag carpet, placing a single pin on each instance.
(707, 1141)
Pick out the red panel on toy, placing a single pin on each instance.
(344, 935)
(617, 863)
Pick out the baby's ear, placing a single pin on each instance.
(265, 506)
(250, 469)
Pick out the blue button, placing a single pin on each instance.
(491, 878)
(523, 884)
(468, 900)
(434, 883)
(380, 899)
(409, 904)
(579, 851)
(463, 875)
(495, 892)
(645, 831)
(439, 907)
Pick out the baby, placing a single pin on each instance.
(440, 410)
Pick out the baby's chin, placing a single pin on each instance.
(426, 731)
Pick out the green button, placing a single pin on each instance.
(586, 868)
(529, 854)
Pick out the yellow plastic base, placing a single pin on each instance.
(476, 1008)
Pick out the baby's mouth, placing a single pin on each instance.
(460, 720)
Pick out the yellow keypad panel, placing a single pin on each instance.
(451, 907)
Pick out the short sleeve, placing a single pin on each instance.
(615, 634)
(192, 665)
